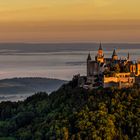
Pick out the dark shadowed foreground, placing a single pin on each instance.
(73, 113)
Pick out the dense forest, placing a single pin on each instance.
(73, 113)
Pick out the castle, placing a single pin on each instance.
(110, 72)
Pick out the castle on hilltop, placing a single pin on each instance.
(108, 72)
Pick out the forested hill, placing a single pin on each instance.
(29, 85)
(20, 88)
(73, 113)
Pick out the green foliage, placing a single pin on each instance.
(126, 68)
(7, 138)
(73, 113)
(117, 68)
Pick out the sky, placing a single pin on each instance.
(70, 21)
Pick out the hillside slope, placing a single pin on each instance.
(20, 88)
(73, 113)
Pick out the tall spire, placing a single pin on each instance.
(100, 47)
(114, 53)
(89, 57)
(128, 57)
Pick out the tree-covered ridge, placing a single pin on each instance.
(74, 113)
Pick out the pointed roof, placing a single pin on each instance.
(128, 57)
(100, 47)
(89, 57)
(114, 53)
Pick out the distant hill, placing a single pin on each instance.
(20, 88)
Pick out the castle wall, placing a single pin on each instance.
(138, 69)
(133, 68)
(110, 84)
(118, 81)
(110, 79)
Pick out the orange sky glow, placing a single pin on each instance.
(70, 21)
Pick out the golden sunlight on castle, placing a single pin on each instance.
(109, 72)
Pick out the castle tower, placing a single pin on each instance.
(114, 55)
(134, 68)
(89, 57)
(100, 55)
(88, 64)
(138, 68)
(128, 56)
(100, 50)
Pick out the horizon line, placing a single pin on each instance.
(72, 42)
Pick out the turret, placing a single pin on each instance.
(89, 57)
(100, 50)
(88, 64)
(114, 55)
(100, 55)
(128, 56)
